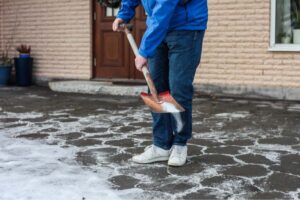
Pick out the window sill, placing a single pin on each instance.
(285, 47)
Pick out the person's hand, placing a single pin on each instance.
(116, 24)
(140, 62)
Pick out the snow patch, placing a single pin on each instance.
(36, 96)
(26, 115)
(168, 107)
(239, 114)
(295, 107)
(273, 156)
(34, 170)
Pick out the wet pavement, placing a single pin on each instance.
(241, 149)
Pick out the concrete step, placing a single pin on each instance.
(97, 87)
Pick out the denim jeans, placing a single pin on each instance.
(173, 68)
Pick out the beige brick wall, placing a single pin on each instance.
(59, 32)
(236, 48)
(235, 51)
(1, 6)
(1, 25)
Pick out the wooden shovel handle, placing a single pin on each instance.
(144, 68)
(150, 83)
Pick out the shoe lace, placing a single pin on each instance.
(149, 149)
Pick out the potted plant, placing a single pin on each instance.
(296, 23)
(23, 66)
(5, 68)
(285, 38)
(24, 51)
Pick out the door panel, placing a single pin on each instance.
(113, 57)
(140, 27)
(112, 45)
(110, 48)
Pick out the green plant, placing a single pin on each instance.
(4, 58)
(23, 49)
(284, 34)
(296, 15)
(7, 41)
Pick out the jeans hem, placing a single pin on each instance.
(165, 147)
(180, 143)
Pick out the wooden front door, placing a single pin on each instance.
(113, 57)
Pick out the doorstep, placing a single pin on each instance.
(98, 87)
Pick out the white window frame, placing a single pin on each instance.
(273, 45)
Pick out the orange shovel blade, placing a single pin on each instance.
(166, 104)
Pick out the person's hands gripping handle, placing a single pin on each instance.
(119, 25)
(141, 63)
(116, 26)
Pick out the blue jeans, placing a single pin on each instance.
(173, 68)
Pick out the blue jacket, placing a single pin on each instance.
(164, 16)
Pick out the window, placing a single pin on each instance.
(285, 25)
(111, 12)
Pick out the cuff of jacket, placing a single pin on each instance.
(145, 54)
(142, 53)
(123, 17)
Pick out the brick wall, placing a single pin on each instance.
(235, 52)
(1, 25)
(236, 45)
(59, 32)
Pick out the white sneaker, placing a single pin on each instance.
(152, 154)
(178, 155)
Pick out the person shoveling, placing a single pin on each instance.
(160, 103)
(168, 56)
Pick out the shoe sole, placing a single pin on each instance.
(175, 164)
(152, 160)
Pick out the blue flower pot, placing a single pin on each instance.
(24, 55)
(5, 71)
(24, 71)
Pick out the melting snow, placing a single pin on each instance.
(28, 115)
(295, 107)
(241, 114)
(33, 170)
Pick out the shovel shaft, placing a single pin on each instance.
(144, 68)
(150, 83)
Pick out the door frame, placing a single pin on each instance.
(104, 19)
(133, 73)
(93, 50)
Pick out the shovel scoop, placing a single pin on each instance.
(165, 104)
(159, 103)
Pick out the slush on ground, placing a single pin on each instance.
(72, 146)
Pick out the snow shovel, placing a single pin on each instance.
(159, 103)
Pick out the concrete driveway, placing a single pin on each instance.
(74, 146)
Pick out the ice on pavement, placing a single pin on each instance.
(33, 170)
(54, 149)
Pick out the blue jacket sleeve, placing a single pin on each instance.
(158, 24)
(127, 9)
